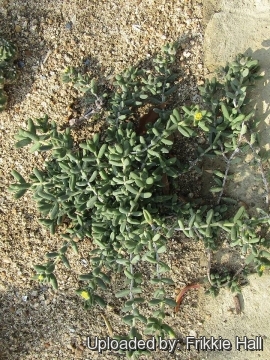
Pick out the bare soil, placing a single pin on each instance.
(105, 37)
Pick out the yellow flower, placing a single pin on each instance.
(198, 116)
(85, 295)
(40, 277)
(262, 268)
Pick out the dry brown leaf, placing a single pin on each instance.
(180, 296)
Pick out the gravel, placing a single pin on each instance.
(107, 36)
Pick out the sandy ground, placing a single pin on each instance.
(107, 36)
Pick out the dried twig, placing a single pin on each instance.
(47, 56)
(237, 304)
(209, 259)
(265, 183)
(108, 325)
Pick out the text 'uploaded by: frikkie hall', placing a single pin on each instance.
(171, 345)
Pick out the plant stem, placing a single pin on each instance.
(131, 287)
(228, 161)
(265, 183)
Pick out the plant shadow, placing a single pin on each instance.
(39, 321)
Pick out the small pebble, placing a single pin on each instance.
(21, 64)
(18, 28)
(193, 333)
(186, 54)
(84, 262)
(67, 58)
(69, 25)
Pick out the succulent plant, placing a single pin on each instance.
(7, 50)
(3, 96)
(114, 189)
(8, 72)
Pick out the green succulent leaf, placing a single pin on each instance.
(122, 293)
